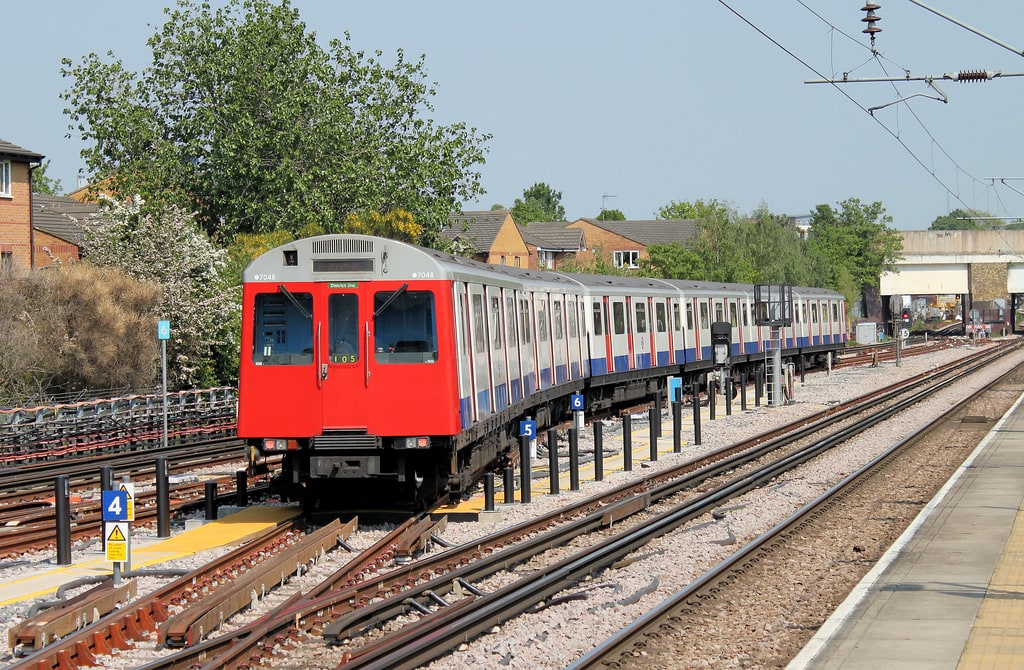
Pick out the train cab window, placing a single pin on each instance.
(598, 309)
(283, 329)
(619, 317)
(405, 326)
(641, 317)
(659, 317)
(343, 327)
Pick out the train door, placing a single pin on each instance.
(678, 336)
(642, 338)
(734, 320)
(704, 330)
(499, 363)
(600, 342)
(480, 360)
(515, 373)
(527, 355)
(620, 358)
(341, 343)
(543, 348)
(662, 332)
(559, 342)
(573, 335)
(467, 405)
(692, 341)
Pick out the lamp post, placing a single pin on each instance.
(163, 332)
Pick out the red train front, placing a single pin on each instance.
(347, 367)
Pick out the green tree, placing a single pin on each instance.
(856, 244)
(611, 215)
(43, 184)
(245, 119)
(960, 219)
(169, 248)
(540, 202)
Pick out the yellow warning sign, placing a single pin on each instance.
(129, 490)
(116, 535)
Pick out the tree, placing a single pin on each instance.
(169, 248)
(960, 219)
(856, 244)
(245, 119)
(611, 215)
(42, 184)
(540, 202)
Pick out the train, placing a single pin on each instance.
(385, 372)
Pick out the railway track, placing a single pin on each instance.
(359, 600)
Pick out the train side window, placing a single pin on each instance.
(573, 328)
(835, 313)
(510, 321)
(746, 315)
(598, 309)
(733, 319)
(463, 333)
(525, 332)
(283, 329)
(556, 320)
(659, 316)
(689, 316)
(641, 317)
(619, 317)
(719, 312)
(676, 324)
(343, 327)
(542, 322)
(479, 345)
(704, 315)
(814, 312)
(496, 323)
(405, 327)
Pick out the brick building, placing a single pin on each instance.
(492, 236)
(624, 243)
(17, 238)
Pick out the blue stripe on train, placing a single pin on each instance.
(466, 407)
(598, 366)
(621, 362)
(561, 374)
(663, 358)
(483, 402)
(643, 360)
(545, 378)
(530, 382)
(517, 390)
(500, 397)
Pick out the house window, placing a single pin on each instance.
(6, 261)
(5, 178)
(546, 259)
(627, 259)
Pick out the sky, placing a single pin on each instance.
(633, 106)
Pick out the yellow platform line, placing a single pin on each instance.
(997, 639)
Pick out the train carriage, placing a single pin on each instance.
(369, 362)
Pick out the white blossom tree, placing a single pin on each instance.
(168, 247)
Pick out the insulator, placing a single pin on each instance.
(973, 75)
(870, 19)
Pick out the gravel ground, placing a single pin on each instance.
(557, 635)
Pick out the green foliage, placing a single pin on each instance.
(244, 118)
(539, 203)
(43, 184)
(960, 219)
(599, 264)
(396, 225)
(856, 244)
(611, 215)
(73, 328)
(168, 247)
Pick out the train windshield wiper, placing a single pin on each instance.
(288, 294)
(391, 298)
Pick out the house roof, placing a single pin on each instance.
(14, 151)
(479, 229)
(553, 236)
(649, 232)
(60, 216)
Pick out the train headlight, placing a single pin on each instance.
(279, 444)
(412, 443)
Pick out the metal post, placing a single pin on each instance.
(598, 451)
(525, 468)
(62, 506)
(677, 421)
(712, 392)
(553, 460)
(653, 428)
(574, 459)
(758, 381)
(657, 412)
(210, 488)
(241, 488)
(106, 478)
(627, 443)
(163, 367)
(696, 412)
(489, 492)
(728, 396)
(510, 485)
(163, 499)
(743, 390)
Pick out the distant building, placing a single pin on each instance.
(624, 243)
(553, 243)
(491, 236)
(17, 238)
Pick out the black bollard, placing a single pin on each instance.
(677, 420)
(553, 460)
(510, 485)
(654, 420)
(801, 369)
(489, 492)
(712, 392)
(62, 507)
(696, 412)
(106, 478)
(743, 390)
(598, 451)
(241, 488)
(211, 500)
(657, 412)
(758, 381)
(163, 499)
(728, 396)
(525, 468)
(574, 459)
(627, 443)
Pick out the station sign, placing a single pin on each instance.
(129, 491)
(576, 402)
(528, 428)
(115, 535)
(115, 505)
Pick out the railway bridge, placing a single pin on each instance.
(973, 279)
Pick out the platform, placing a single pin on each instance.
(949, 593)
(231, 529)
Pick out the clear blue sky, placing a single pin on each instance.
(649, 102)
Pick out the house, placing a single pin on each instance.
(553, 243)
(56, 221)
(17, 237)
(624, 243)
(491, 237)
